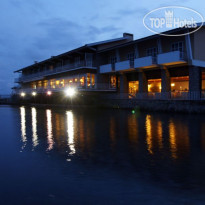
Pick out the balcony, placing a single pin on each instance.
(124, 65)
(108, 68)
(56, 70)
(174, 57)
(145, 62)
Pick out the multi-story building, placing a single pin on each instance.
(156, 67)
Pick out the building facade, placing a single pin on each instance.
(156, 67)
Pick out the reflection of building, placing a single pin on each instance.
(155, 67)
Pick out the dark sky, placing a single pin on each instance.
(33, 30)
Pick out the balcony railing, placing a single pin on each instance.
(56, 70)
(171, 57)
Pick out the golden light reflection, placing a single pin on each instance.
(49, 130)
(70, 131)
(149, 139)
(133, 128)
(172, 139)
(23, 125)
(159, 134)
(34, 126)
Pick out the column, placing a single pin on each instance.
(194, 83)
(143, 83)
(123, 84)
(117, 55)
(188, 47)
(165, 83)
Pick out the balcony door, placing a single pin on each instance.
(89, 59)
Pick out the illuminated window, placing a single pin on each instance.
(52, 83)
(93, 80)
(113, 81)
(62, 83)
(82, 81)
(39, 84)
(154, 85)
(88, 80)
(45, 83)
(180, 84)
(33, 85)
(57, 83)
(133, 87)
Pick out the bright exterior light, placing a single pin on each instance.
(34, 93)
(49, 93)
(23, 94)
(173, 84)
(70, 92)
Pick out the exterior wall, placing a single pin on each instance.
(195, 82)
(166, 42)
(198, 44)
(124, 51)
(143, 46)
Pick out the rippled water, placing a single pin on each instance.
(84, 156)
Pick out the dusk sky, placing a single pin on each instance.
(35, 30)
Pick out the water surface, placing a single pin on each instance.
(83, 156)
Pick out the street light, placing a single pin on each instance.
(49, 93)
(23, 94)
(70, 92)
(34, 94)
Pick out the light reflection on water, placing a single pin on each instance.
(49, 130)
(23, 126)
(34, 127)
(60, 126)
(157, 144)
(70, 131)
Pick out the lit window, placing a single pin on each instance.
(113, 81)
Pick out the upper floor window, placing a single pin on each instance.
(130, 56)
(178, 46)
(77, 61)
(113, 59)
(152, 51)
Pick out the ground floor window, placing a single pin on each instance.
(113, 81)
(180, 84)
(88, 80)
(133, 87)
(154, 85)
(93, 80)
(52, 83)
(33, 85)
(82, 81)
(39, 84)
(45, 83)
(203, 81)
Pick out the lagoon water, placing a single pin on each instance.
(100, 156)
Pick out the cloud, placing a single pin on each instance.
(133, 11)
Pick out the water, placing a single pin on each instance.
(83, 156)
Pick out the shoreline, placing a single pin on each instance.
(174, 106)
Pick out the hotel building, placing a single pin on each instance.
(156, 67)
